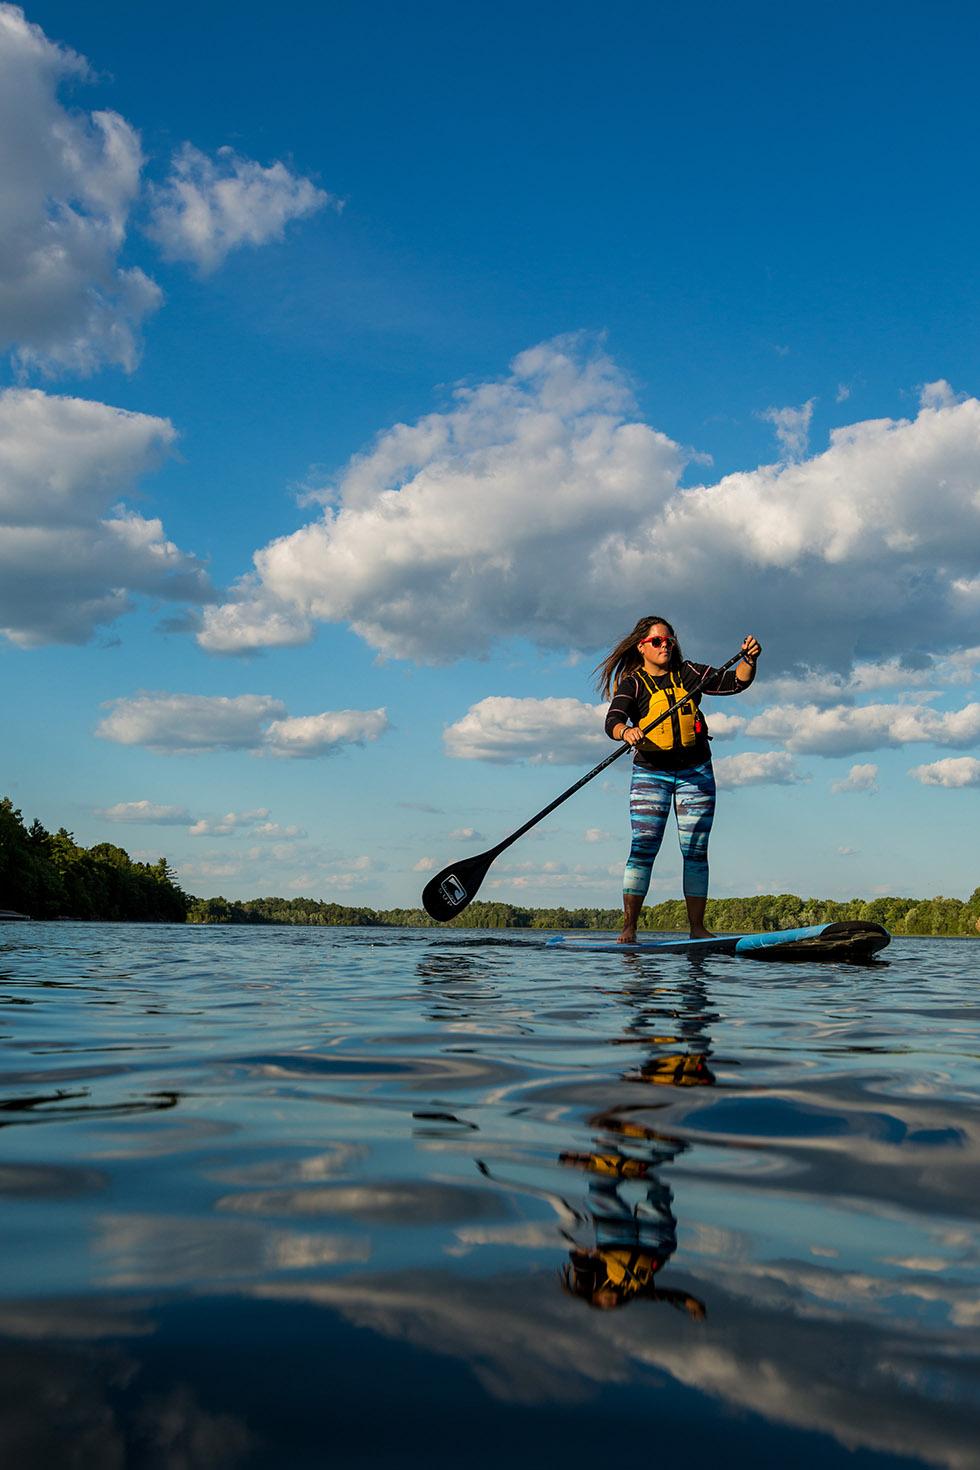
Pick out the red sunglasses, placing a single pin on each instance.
(658, 642)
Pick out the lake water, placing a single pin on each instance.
(329, 1197)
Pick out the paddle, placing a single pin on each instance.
(448, 893)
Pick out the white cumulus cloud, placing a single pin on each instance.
(253, 824)
(539, 731)
(71, 182)
(276, 832)
(145, 811)
(953, 772)
(757, 768)
(962, 666)
(71, 555)
(858, 778)
(540, 506)
(208, 207)
(722, 726)
(190, 722)
(465, 526)
(181, 723)
(939, 395)
(231, 822)
(554, 876)
(792, 426)
(210, 868)
(68, 180)
(311, 735)
(824, 686)
(843, 729)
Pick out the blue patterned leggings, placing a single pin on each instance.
(692, 794)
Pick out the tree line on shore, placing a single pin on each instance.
(48, 875)
(932, 916)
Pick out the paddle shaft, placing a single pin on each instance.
(502, 846)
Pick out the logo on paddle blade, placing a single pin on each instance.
(452, 890)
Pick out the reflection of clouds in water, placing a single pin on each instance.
(520, 1349)
(302, 1169)
(170, 1137)
(404, 1202)
(869, 1386)
(179, 1435)
(72, 1407)
(917, 1263)
(713, 1241)
(49, 1181)
(905, 1388)
(156, 1250)
(814, 1292)
(955, 1237)
(31, 1383)
(524, 1237)
(834, 1144)
(68, 1319)
(344, 1069)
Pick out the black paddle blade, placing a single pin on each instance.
(448, 893)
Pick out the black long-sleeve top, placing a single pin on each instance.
(632, 701)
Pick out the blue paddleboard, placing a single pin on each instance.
(851, 939)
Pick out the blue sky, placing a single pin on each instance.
(484, 330)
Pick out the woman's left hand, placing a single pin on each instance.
(751, 648)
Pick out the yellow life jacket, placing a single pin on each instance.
(689, 720)
(616, 1166)
(629, 1270)
(619, 1166)
(683, 1069)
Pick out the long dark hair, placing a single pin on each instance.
(624, 658)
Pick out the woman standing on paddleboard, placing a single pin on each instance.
(647, 675)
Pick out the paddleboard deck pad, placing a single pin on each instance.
(849, 940)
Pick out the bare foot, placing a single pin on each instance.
(699, 932)
(628, 936)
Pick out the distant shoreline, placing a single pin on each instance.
(47, 875)
(536, 928)
(760, 913)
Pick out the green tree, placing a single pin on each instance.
(48, 875)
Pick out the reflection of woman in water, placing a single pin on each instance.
(629, 1210)
(632, 1241)
(675, 1028)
